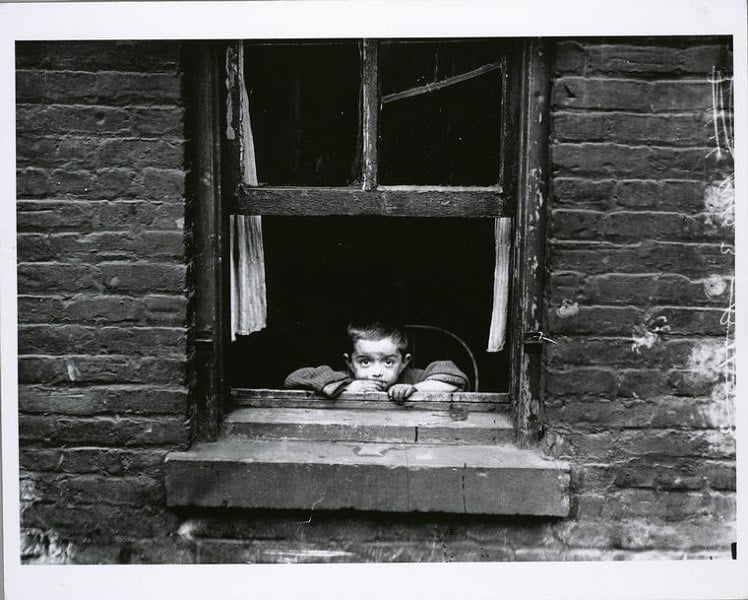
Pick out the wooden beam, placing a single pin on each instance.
(392, 425)
(529, 243)
(370, 108)
(391, 202)
(210, 227)
(448, 402)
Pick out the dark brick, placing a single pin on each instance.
(693, 383)
(597, 320)
(103, 461)
(46, 277)
(696, 321)
(143, 277)
(710, 533)
(101, 120)
(55, 152)
(54, 182)
(117, 181)
(137, 551)
(136, 153)
(632, 95)
(83, 308)
(165, 309)
(633, 59)
(628, 226)
(619, 352)
(676, 474)
(665, 505)
(686, 197)
(40, 309)
(649, 383)
(102, 88)
(116, 276)
(115, 55)
(99, 489)
(606, 160)
(50, 87)
(104, 246)
(33, 181)
(647, 534)
(104, 431)
(624, 128)
(614, 320)
(92, 153)
(79, 339)
(690, 260)
(163, 183)
(626, 444)
(655, 413)
(581, 382)
(39, 119)
(111, 309)
(84, 217)
(121, 400)
(640, 290)
(87, 370)
(101, 522)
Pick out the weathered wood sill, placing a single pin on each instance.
(376, 457)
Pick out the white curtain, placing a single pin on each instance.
(497, 331)
(248, 292)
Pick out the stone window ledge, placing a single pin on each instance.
(392, 459)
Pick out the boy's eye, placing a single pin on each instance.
(389, 362)
(364, 362)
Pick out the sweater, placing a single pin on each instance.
(317, 378)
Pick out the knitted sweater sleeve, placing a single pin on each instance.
(317, 379)
(448, 372)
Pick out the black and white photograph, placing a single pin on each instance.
(361, 291)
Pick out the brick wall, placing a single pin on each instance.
(641, 270)
(102, 302)
(640, 273)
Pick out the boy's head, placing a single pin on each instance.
(378, 351)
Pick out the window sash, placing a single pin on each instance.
(523, 148)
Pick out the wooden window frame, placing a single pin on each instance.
(216, 189)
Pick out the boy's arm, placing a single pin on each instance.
(322, 380)
(443, 376)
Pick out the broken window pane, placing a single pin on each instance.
(441, 109)
(304, 109)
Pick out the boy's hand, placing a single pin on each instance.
(361, 386)
(400, 391)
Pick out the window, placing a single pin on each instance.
(404, 174)
(374, 237)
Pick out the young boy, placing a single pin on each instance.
(378, 362)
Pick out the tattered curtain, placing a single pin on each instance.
(248, 291)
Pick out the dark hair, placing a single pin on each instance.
(377, 330)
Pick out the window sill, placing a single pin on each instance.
(383, 457)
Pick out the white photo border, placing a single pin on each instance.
(354, 19)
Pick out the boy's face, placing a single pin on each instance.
(379, 360)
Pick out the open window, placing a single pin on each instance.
(387, 178)
(360, 229)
